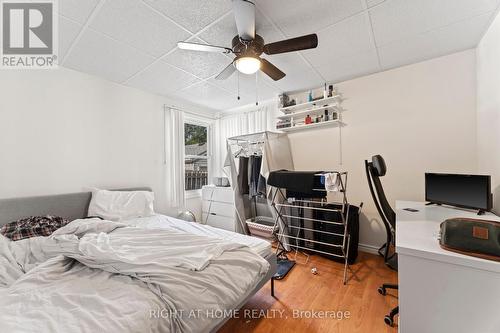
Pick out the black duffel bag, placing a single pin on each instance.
(473, 237)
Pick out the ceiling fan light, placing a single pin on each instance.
(247, 65)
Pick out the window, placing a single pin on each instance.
(196, 156)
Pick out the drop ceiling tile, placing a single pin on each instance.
(453, 38)
(233, 102)
(77, 10)
(68, 30)
(162, 79)
(299, 17)
(247, 84)
(288, 62)
(201, 64)
(192, 14)
(350, 36)
(206, 94)
(266, 29)
(223, 32)
(372, 3)
(407, 31)
(100, 55)
(397, 19)
(350, 67)
(300, 80)
(138, 25)
(244, 101)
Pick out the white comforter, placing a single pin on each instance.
(260, 246)
(95, 277)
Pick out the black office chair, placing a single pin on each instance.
(374, 170)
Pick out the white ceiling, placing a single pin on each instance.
(133, 42)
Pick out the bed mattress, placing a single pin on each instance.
(260, 246)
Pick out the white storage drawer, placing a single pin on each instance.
(217, 221)
(218, 208)
(220, 194)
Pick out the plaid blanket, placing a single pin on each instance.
(32, 226)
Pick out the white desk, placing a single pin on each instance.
(442, 291)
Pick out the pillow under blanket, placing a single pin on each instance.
(33, 226)
(121, 205)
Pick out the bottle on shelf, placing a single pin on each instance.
(308, 120)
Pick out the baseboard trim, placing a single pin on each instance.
(368, 248)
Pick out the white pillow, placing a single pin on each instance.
(121, 205)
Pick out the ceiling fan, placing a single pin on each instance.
(247, 46)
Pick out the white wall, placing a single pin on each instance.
(419, 118)
(488, 107)
(62, 131)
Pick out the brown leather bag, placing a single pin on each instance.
(473, 237)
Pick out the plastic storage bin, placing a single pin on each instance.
(261, 226)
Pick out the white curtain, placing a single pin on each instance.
(251, 120)
(174, 159)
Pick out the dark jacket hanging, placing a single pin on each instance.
(243, 174)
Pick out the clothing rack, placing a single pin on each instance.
(244, 142)
(251, 137)
(293, 235)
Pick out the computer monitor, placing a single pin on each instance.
(466, 191)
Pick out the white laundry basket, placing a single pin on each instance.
(261, 226)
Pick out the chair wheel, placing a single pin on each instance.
(382, 291)
(389, 321)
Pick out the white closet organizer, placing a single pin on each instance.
(218, 207)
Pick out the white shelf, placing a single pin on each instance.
(302, 106)
(311, 112)
(333, 123)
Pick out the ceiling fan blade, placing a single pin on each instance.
(272, 71)
(244, 14)
(203, 47)
(226, 72)
(292, 44)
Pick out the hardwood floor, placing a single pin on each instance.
(301, 290)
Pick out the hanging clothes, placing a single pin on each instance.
(277, 155)
(331, 182)
(262, 186)
(243, 174)
(254, 165)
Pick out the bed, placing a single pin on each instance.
(94, 284)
